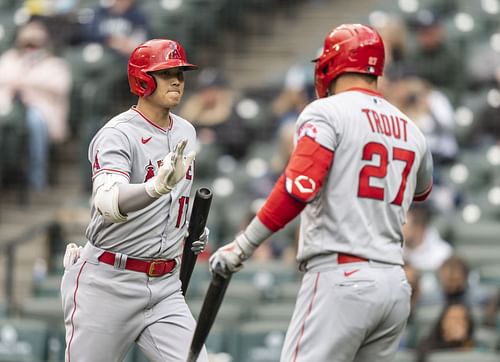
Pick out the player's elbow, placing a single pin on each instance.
(302, 188)
(106, 203)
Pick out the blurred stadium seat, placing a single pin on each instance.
(23, 340)
(258, 341)
(455, 356)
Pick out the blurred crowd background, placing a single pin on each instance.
(63, 75)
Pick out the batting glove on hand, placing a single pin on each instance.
(229, 258)
(172, 170)
(71, 255)
(199, 245)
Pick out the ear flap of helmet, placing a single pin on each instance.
(141, 83)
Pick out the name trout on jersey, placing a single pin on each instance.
(391, 125)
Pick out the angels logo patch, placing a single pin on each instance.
(150, 172)
(96, 166)
(307, 129)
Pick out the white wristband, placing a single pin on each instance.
(151, 189)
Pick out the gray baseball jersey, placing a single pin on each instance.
(107, 308)
(131, 146)
(361, 299)
(378, 154)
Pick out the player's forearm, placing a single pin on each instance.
(133, 197)
(256, 232)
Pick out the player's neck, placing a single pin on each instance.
(157, 115)
(346, 82)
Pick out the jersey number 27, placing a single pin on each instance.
(380, 171)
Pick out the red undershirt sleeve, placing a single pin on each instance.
(280, 208)
(311, 162)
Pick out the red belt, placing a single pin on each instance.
(346, 258)
(153, 268)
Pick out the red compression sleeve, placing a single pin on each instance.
(308, 165)
(280, 208)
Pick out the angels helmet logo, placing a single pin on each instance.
(307, 129)
(150, 172)
(173, 53)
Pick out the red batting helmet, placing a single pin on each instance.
(153, 55)
(349, 48)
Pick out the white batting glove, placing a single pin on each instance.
(71, 255)
(199, 245)
(229, 258)
(172, 170)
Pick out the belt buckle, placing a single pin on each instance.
(151, 269)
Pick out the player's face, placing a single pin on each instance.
(169, 87)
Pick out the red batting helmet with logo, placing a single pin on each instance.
(349, 48)
(153, 55)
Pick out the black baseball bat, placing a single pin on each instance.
(197, 222)
(209, 309)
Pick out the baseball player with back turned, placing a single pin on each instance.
(357, 165)
(124, 287)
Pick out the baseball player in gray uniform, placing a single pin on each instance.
(123, 286)
(357, 165)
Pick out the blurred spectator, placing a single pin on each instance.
(43, 7)
(42, 81)
(60, 17)
(454, 329)
(453, 276)
(435, 58)
(211, 110)
(487, 127)
(121, 26)
(262, 186)
(424, 249)
(453, 282)
(293, 97)
(430, 109)
(283, 244)
(394, 33)
(414, 277)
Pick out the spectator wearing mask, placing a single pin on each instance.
(31, 72)
(435, 58)
(211, 109)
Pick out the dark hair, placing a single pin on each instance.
(456, 261)
(435, 338)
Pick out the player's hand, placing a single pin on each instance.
(229, 258)
(71, 255)
(199, 245)
(172, 170)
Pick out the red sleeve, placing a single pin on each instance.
(300, 183)
(423, 196)
(280, 208)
